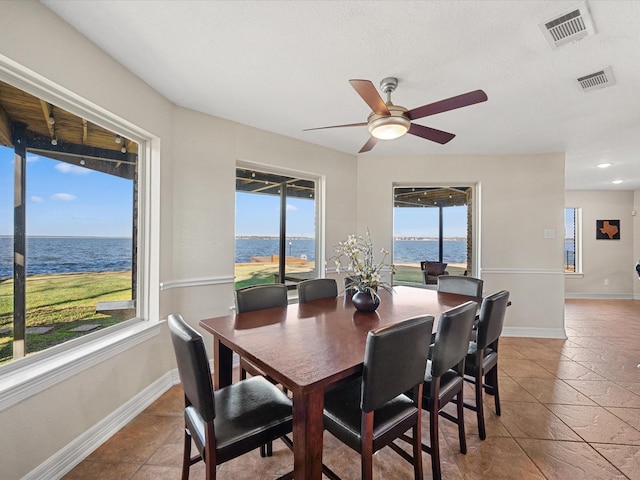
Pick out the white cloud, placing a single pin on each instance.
(36, 199)
(65, 197)
(74, 169)
(32, 158)
(291, 208)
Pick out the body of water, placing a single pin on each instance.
(68, 255)
(405, 251)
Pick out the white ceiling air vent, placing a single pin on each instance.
(570, 26)
(600, 79)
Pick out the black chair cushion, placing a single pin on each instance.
(245, 412)
(343, 416)
(450, 383)
(488, 361)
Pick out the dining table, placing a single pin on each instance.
(310, 348)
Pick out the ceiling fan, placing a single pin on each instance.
(388, 121)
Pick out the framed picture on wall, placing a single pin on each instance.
(607, 229)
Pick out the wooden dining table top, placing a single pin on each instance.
(306, 345)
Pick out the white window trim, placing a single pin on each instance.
(320, 181)
(31, 375)
(578, 245)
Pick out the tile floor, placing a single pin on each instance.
(570, 410)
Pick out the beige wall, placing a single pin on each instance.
(519, 198)
(602, 260)
(636, 241)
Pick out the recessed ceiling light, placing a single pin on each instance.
(616, 181)
(604, 165)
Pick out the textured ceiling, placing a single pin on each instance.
(284, 66)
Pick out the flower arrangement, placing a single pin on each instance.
(364, 272)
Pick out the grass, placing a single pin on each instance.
(64, 302)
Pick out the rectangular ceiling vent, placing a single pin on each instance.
(570, 26)
(600, 79)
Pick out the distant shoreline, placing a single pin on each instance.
(409, 239)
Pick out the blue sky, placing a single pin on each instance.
(259, 215)
(65, 200)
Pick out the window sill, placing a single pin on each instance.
(31, 375)
(573, 275)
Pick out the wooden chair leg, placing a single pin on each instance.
(186, 455)
(480, 406)
(417, 451)
(435, 441)
(493, 373)
(461, 434)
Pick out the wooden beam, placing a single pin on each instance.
(47, 110)
(5, 129)
(85, 133)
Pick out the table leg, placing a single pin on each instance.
(307, 435)
(223, 364)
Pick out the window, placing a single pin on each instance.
(276, 234)
(572, 243)
(68, 264)
(431, 224)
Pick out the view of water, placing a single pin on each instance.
(405, 251)
(91, 254)
(68, 255)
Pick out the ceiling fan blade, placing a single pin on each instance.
(432, 134)
(361, 124)
(369, 145)
(370, 94)
(452, 103)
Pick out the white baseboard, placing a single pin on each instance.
(73, 453)
(602, 296)
(534, 332)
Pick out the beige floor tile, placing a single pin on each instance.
(624, 457)
(629, 415)
(569, 370)
(138, 440)
(569, 460)
(534, 420)
(495, 458)
(102, 471)
(523, 368)
(554, 391)
(596, 424)
(606, 394)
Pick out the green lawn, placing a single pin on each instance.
(64, 302)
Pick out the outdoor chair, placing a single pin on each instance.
(431, 271)
(368, 413)
(460, 285)
(443, 381)
(317, 289)
(231, 421)
(482, 356)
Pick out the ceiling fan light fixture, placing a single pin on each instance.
(389, 127)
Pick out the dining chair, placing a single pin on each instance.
(252, 298)
(482, 356)
(229, 422)
(316, 289)
(460, 285)
(370, 412)
(444, 377)
(258, 297)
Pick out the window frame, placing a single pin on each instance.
(577, 242)
(28, 376)
(319, 181)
